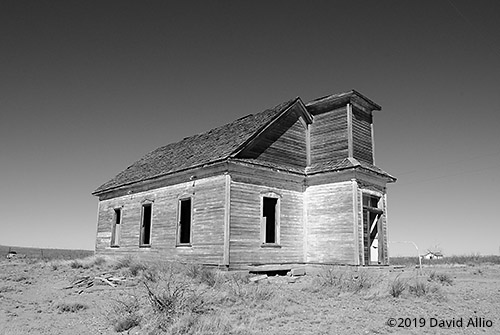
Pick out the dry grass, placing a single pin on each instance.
(172, 298)
(397, 286)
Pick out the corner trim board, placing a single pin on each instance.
(227, 219)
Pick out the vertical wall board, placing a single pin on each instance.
(361, 241)
(282, 143)
(355, 226)
(383, 223)
(227, 218)
(329, 140)
(208, 196)
(330, 218)
(245, 230)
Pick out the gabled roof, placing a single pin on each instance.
(226, 142)
(328, 102)
(212, 146)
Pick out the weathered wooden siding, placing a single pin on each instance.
(208, 198)
(359, 227)
(284, 143)
(330, 223)
(329, 136)
(362, 135)
(245, 238)
(383, 240)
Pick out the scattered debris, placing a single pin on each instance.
(11, 254)
(87, 281)
(257, 279)
(298, 272)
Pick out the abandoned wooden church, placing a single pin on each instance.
(295, 184)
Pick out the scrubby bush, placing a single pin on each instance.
(125, 314)
(98, 261)
(397, 287)
(173, 296)
(76, 264)
(442, 278)
(123, 262)
(132, 265)
(202, 274)
(423, 288)
(346, 280)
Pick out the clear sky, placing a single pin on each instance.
(88, 87)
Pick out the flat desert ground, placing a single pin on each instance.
(103, 296)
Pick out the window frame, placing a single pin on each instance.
(277, 221)
(178, 242)
(375, 211)
(116, 228)
(141, 230)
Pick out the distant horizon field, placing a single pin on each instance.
(49, 253)
(62, 253)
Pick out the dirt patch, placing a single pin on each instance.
(93, 296)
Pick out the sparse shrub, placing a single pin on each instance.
(71, 307)
(171, 294)
(174, 298)
(136, 267)
(346, 280)
(441, 278)
(237, 286)
(202, 274)
(239, 289)
(132, 265)
(76, 264)
(421, 288)
(123, 262)
(261, 292)
(193, 270)
(397, 287)
(125, 314)
(98, 261)
(150, 274)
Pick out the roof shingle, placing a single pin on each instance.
(211, 146)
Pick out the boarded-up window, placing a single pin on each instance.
(115, 231)
(270, 220)
(145, 237)
(184, 226)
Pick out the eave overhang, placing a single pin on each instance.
(327, 103)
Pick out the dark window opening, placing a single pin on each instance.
(185, 221)
(146, 224)
(371, 229)
(269, 216)
(370, 201)
(115, 233)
